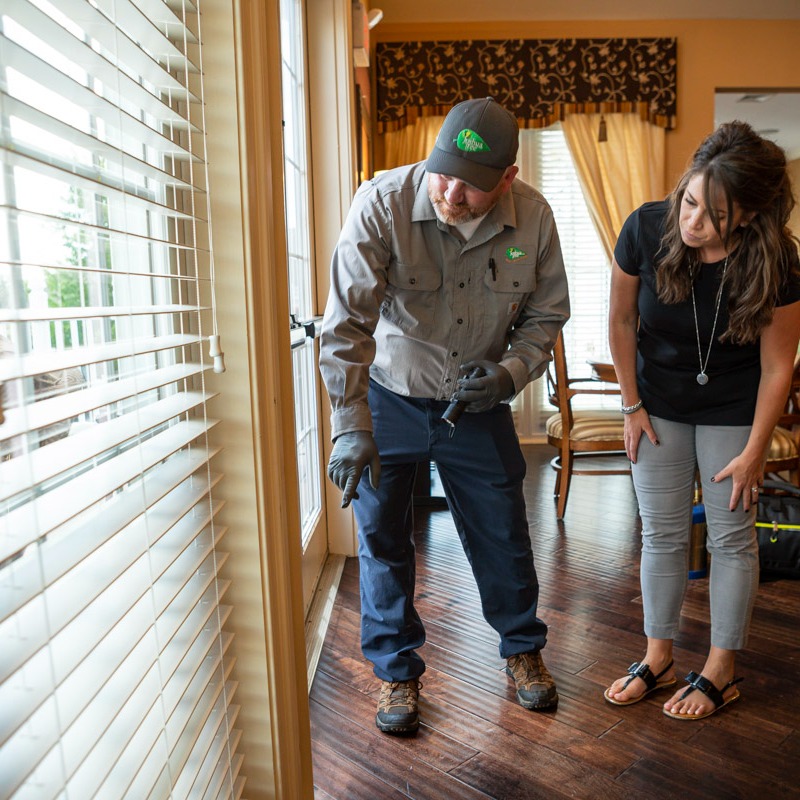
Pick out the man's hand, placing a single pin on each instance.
(351, 453)
(485, 392)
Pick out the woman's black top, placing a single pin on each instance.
(668, 361)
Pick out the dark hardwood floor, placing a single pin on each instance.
(475, 741)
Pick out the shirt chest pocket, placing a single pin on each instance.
(412, 293)
(511, 278)
(414, 277)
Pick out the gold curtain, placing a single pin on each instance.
(411, 143)
(619, 174)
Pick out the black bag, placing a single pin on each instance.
(778, 530)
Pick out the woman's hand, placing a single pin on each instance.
(747, 475)
(637, 424)
(778, 350)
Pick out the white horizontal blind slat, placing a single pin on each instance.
(122, 664)
(149, 780)
(188, 543)
(79, 179)
(204, 711)
(39, 363)
(172, 494)
(186, 719)
(57, 409)
(25, 523)
(167, 15)
(93, 61)
(54, 610)
(83, 140)
(94, 312)
(129, 128)
(223, 773)
(109, 39)
(91, 744)
(198, 772)
(161, 35)
(91, 442)
(113, 657)
(141, 247)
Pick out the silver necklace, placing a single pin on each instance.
(702, 378)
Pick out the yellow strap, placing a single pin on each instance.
(778, 526)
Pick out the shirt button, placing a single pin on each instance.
(459, 321)
(454, 354)
(413, 281)
(461, 285)
(447, 380)
(516, 283)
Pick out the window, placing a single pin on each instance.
(545, 162)
(298, 236)
(114, 674)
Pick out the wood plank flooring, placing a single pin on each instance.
(475, 741)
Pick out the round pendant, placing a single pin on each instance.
(702, 378)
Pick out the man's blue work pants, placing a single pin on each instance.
(482, 469)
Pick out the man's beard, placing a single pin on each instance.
(460, 213)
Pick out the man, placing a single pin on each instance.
(447, 280)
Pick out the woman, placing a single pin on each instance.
(704, 326)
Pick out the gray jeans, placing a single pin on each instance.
(664, 480)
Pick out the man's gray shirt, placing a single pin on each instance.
(410, 300)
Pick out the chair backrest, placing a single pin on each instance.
(558, 392)
(561, 388)
(587, 434)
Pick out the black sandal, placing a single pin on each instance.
(651, 682)
(705, 686)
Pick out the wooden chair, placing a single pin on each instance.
(784, 448)
(578, 434)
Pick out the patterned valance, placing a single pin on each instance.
(540, 80)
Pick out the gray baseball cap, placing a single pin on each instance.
(478, 140)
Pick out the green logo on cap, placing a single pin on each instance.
(470, 142)
(513, 253)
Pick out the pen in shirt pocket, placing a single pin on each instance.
(493, 268)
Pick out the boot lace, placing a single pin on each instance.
(528, 669)
(399, 694)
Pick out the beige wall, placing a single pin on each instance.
(712, 54)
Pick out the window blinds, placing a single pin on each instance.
(546, 163)
(115, 673)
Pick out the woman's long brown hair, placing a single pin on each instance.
(750, 171)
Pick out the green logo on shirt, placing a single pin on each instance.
(470, 142)
(513, 253)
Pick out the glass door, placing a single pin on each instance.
(304, 325)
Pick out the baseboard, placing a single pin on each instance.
(319, 613)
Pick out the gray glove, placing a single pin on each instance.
(351, 453)
(485, 392)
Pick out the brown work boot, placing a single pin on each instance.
(536, 688)
(397, 706)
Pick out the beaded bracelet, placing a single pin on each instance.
(631, 409)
